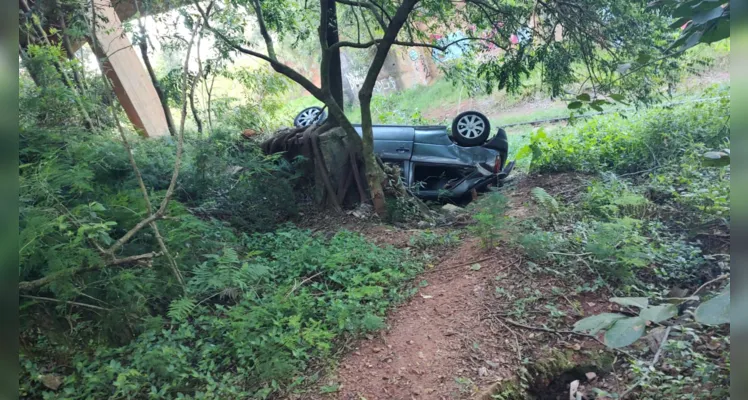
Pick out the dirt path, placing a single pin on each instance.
(422, 355)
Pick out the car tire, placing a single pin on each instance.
(471, 128)
(309, 116)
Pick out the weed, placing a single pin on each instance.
(491, 224)
(538, 244)
(329, 388)
(465, 385)
(427, 239)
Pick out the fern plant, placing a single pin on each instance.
(491, 222)
(181, 308)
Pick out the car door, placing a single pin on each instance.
(392, 143)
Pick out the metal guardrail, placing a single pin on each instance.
(558, 119)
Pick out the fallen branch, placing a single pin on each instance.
(133, 259)
(136, 260)
(72, 303)
(538, 328)
(717, 279)
(662, 345)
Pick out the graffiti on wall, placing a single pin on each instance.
(356, 80)
(420, 65)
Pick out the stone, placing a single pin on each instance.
(452, 209)
(51, 381)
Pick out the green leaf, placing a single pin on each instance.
(596, 323)
(574, 105)
(95, 206)
(708, 16)
(584, 97)
(475, 267)
(659, 313)
(618, 97)
(181, 308)
(715, 311)
(523, 152)
(624, 332)
(718, 32)
(640, 302)
(643, 58)
(679, 22)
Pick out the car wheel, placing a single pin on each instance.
(470, 128)
(308, 116)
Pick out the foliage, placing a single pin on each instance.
(245, 325)
(650, 230)
(46, 99)
(491, 223)
(631, 144)
(611, 197)
(546, 201)
(700, 21)
(427, 239)
(402, 209)
(698, 367)
(260, 105)
(232, 180)
(622, 330)
(130, 330)
(537, 244)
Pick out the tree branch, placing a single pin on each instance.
(73, 303)
(37, 283)
(412, 44)
(263, 30)
(277, 66)
(177, 163)
(371, 7)
(143, 43)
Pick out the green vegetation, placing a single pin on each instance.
(217, 299)
(645, 226)
(252, 318)
(171, 267)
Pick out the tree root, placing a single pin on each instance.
(305, 142)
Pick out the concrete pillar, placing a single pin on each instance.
(132, 84)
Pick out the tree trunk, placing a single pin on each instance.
(195, 114)
(336, 74)
(152, 74)
(374, 174)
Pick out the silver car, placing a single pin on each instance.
(434, 164)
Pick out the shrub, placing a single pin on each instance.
(630, 144)
(252, 318)
(491, 223)
(538, 244)
(611, 198)
(427, 240)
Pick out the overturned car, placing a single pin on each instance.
(434, 164)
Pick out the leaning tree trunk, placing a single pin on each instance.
(374, 173)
